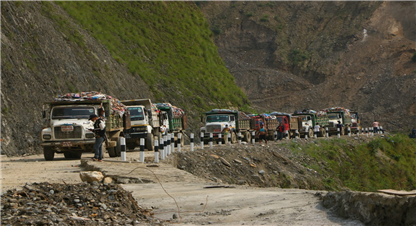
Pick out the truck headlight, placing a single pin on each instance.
(47, 136)
(89, 135)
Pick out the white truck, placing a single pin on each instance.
(216, 120)
(145, 123)
(66, 127)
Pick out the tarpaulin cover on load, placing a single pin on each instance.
(177, 112)
(116, 105)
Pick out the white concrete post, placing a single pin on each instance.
(156, 151)
(327, 132)
(287, 134)
(275, 135)
(179, 141)
(165, 144)
(192, 142)
(219, 139)
(202, 140)
(172, 142)
(142, 150)
(253, 137)
(338, 133)
(210, 140)
(366, 131)
(123, 148)
(349, 131)
(239, 137)
(162, 149)
(168, 138)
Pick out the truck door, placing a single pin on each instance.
(286, 123)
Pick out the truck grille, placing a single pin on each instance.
(76, 133)
(213, 129)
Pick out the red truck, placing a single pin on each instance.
(270, 124)
(291, 123)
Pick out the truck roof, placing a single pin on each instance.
(75, 102)
(223, 111)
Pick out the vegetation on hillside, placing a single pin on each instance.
(382, 163)
(167, 44)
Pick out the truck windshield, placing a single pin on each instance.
(136, 113)
(72, 112)
(333, 116)
(218, 118)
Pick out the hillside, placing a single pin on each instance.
(289, 56)
(157, 50)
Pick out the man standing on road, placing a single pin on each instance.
(376, 125)
(280, 130)
(99, 130)
(317, 128)
(226, 132)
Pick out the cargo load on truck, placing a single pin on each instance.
(216, 120)
(66, 124)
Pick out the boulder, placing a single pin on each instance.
(91, 176)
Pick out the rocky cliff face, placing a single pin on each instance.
(47, 51)
(39, 62)
(290, 56)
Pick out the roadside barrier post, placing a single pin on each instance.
(165, 144)
(372, 131)
(287, 135)
(338, 133)
(142, 150)
(179, 141)
(349, 132)
(172, 142)
(296, 134)
(220, 139)
(306, 136)
(275, 135)
(210, 140)
(362, 131)
(239, 137)
(229, 138)
(156, 151)
(202, 140)
(366, 131)
(192, 142)
(327, 133)
(253, 138)
(162, 149)
(123, 148)
(168, 143)
(381, 128)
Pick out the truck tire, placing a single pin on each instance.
(310, 133)
(48, 153)
(247, 136)
(112, 152)
(233, 138)
(322, 132)
(149, 142)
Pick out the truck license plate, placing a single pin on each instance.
(67, 128)
(67, 144)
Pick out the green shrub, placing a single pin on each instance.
(265, 18)
(249, 14)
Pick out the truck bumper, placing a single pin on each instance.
(136, 136)
(68, 143)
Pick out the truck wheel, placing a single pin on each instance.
(247, 137)
(48, 153)
(310, 133)
(112, 152)
(149, 142)
(233, 138)
(323, 132)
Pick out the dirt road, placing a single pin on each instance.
(180, 196)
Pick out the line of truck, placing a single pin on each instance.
(302, 122)
(66, 125)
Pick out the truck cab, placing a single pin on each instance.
(144, 123)
(216, 120)
(66, 127)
